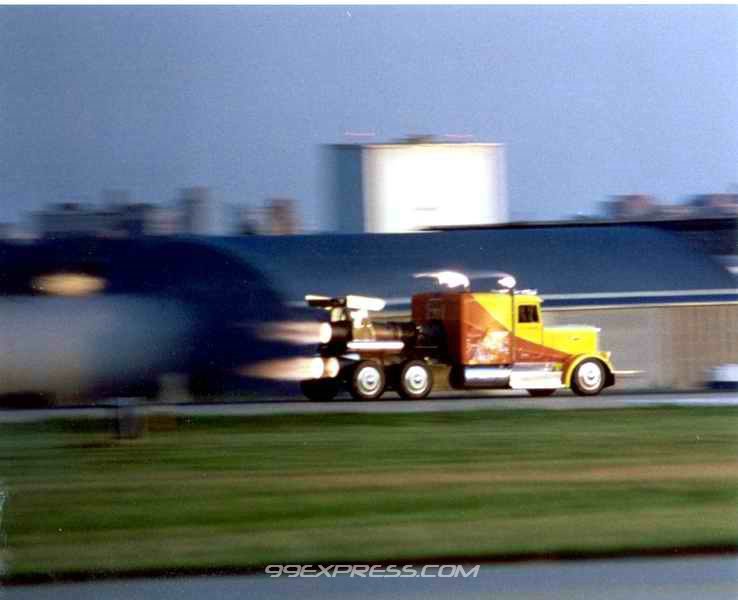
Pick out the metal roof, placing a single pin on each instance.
(568, 265)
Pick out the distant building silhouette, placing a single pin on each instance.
(10, 231)
(642, 206)
(118, 217)
(632, 206)
(196, 211)
(163, 220)
(74, 219)
(249, 221)
(717, 205)
(281, 217)
(201, 214)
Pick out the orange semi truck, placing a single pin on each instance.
(488, 340)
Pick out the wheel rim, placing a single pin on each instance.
(589, 376)
(369, 379)
(415, 379)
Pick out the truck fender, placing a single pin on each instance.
(579, 358)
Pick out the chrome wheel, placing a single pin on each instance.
(588, 378)
(416, 380)
(367, 381)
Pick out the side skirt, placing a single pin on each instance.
(532, 376)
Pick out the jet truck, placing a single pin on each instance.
(485, 340)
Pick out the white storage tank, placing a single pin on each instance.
(392, 188)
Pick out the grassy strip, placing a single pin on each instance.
(234, 493)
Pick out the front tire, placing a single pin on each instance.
(367, 380)
(588, 378)
(415, 380)
(320, 389)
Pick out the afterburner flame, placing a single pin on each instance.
(286, 369)
(298, 333)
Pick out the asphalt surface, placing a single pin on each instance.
(440, 403)
(704, 578)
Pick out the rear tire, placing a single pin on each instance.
(367, 380)
(541, 393)
(320, 389)
(588, 378)
(415, 380)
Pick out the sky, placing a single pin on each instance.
(590, 101)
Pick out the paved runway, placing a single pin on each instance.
(440, 403)
(708, 578)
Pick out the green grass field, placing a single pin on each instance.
(242, 492)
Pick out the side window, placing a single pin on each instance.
(528, 313)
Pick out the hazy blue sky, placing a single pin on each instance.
(590, 101)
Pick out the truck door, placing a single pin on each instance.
(528, 332)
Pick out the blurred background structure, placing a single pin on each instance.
(642, 206)
(196, 212)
